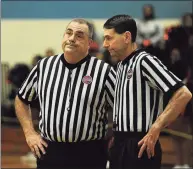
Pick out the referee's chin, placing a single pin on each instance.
(70, 52)
(113, 54)
(115, 57)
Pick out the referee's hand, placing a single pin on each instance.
(36, 143)
(148, 142)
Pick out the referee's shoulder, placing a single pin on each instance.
(45, 59)
(144, 54)
(102, 62)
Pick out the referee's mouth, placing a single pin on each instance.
(70, 46)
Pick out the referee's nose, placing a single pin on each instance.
(105, 44)
(72, 38)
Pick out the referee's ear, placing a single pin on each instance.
(90, 43)
(127, 35)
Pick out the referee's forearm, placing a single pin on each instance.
(176, 105)
(24, 116)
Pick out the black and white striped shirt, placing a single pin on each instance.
(142, 81)
(73, 97)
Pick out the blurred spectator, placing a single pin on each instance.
(36, 59)
(180, 36)
(187, 20)
(18, 74)
(94, 47)
(95, 36)
(178, 65)
(190, 62)
(16, 77)
(163, 52)
(150, 33)
(190, 78)
(187, 24)
(49, 52)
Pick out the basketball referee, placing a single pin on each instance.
(139, 111)
(74, 90)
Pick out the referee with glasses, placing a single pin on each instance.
(142, 85)
(74, 91)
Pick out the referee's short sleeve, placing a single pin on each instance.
(110, 86)
(28, 91)
(158, 76)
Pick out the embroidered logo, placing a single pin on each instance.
(87, 79)
(129, 74)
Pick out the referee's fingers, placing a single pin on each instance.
(153, 150)
(44, 143)
(150, 145)
(42, 148)
(142, 149)
(148, 152)
(37, 152)
(141, 142)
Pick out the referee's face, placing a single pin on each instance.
(76, 39)
(115, 43)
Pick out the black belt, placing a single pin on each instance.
(129, 134)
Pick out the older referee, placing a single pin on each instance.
(74, 90)
(142, 84)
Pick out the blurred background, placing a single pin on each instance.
(31, 30)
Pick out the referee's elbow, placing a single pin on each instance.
(187, 94)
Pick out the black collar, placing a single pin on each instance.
(72, 66)
(135, 52)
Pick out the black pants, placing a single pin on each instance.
(124, 153)
(80, 155)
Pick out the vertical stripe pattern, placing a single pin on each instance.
(141, 82)
(74, 100)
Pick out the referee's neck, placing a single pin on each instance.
(131, 48)
(74, 58)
